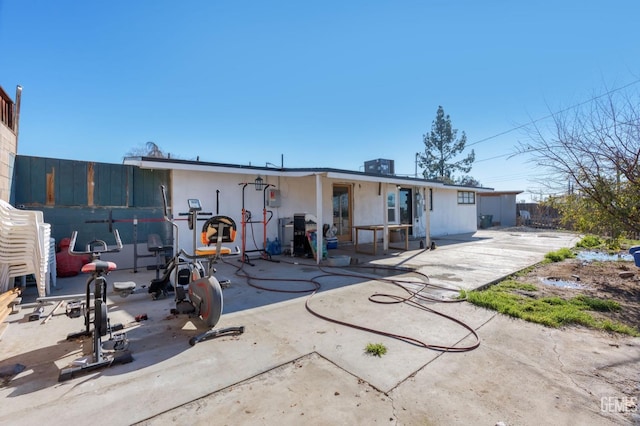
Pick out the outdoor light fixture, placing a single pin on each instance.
(259, 183)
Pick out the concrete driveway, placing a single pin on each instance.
(302, 356)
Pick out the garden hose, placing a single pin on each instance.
(413, 299)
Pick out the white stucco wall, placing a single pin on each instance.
(203, 186)
(298, 195)
(8, 142)
(448, 217)
(369, 204)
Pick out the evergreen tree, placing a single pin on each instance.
(441, 148)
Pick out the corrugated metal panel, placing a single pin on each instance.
(111, 184)
(69, 182)
(46, 181)
(53, 182)
(146, 187)
(71, 193)
(28, 171)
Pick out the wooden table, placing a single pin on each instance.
(376, 228)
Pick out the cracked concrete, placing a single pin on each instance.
(291, 367)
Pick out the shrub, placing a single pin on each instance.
(589, 241)
(559, 255)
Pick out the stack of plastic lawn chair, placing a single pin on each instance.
(51, 273)
(25, 243)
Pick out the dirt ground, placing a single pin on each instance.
(617, 280)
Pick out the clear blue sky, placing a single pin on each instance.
(323, 84)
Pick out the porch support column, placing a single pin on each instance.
(427, 217)
(385, 218)
(319, 236)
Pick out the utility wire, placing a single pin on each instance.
(492, 158)
(555, 113)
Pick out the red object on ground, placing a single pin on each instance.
(66, 264)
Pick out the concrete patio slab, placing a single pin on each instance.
(291, 366)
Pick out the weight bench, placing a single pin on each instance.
(157, 248)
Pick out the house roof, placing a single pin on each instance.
(498, 193)
(203, 166)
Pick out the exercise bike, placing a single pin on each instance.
(102, 326)
(202, 296)
(216, 230)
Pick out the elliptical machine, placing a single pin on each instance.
(202, 297)
(101, 323)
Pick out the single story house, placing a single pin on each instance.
(267, 199)
(88, 196)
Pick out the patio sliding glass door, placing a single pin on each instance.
(342, 211)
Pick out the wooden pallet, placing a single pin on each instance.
(7, 300)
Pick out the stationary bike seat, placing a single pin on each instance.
(98, 266)
(124, 288)
(212, 251)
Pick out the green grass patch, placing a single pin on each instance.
(593, 304)
(524, 271)
(549, 311)
(510, 284)
(559, 255)
(616, 327)
(376, 349)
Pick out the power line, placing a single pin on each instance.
(492, 158)
(500, 179)
(555, 113)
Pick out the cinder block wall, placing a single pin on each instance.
(7, 158)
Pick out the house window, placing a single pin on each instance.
(466, 197)
(391, 207)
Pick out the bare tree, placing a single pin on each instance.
(150, 149)
(591, 157)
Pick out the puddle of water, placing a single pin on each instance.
(591, 256)
(445, 277)
(557, 282)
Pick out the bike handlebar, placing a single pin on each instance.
(165, 208)
(95, 246)
(199, 214)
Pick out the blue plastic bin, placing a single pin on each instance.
(635, 251)
(332, 243)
